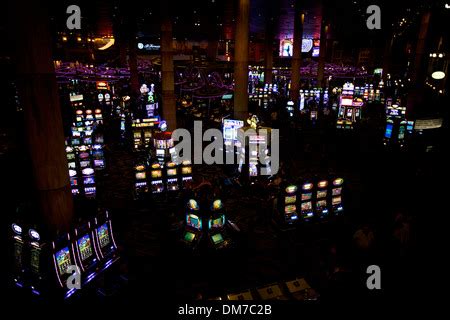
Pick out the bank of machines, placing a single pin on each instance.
(314, 199)
(350, 107)
(65, 265)
(397, 126)
(207, 227)
(157, 178)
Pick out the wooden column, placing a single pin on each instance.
(168, 86)
(296, 54)
(241, 61)
(44, 129)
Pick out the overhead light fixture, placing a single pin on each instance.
(438, 75)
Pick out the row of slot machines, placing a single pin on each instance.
(314, 199)
(44, 268)
(162, 177)
(83, 161)
(313, 95)
(206, 224)
(143, 132)
(296, 289)
(84, 126)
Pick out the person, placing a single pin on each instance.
(364, 238)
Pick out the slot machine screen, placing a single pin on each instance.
(89, 180)
(84, 164)
(84, 155)
(147, 134)
(70, 156)
(321, 194)
(103, 235)
(87, 140)
(290, 199)
(349, 113)
(137, 135)
(140, 176)
(79, 119)
(321, 203)
(156, 174)
(85, 247)
(186, 170)
(71, 165)
(217, 223)
(160, 152)
(336, 191)
(97, 154)
(388, 132)
(35, 259)
(99, 139)
(99, 163)
(172, 172)
(336, 200)
(193, 221)
(75, 142)
(189, 236)
(73, 182)
(290, 209)
(306, 206)
(401, 133)
(217, 238)
(306, 196)
(63, 260)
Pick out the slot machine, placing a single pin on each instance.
(107, 99)
(98, 116)
(289, 204)
(401, 133)
(73, 176)
(336, 196)
(186, 173)
(321, 199)
(84, 157)
(157, 185)
(86, 251)
(89, 182)
(172, 177)
(306, 195)
(98, 157)
(216, 225)
(140, 179)
(100, 98)
(104, 239)
(137, 136)
(193, 228)
(63, 256)
(18, 250)
(71, 158)
(89, 118)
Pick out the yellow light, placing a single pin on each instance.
(64, 38)
(78, 39)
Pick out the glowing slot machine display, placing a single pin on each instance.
(140, 179)
(172, 176)
(194, 224)
(74, 182)
(157, 185)
(98, 157)
(290, 204)
(186, 172)
(321, 199)
(306, 208)
(89, 182)
(336, 196)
